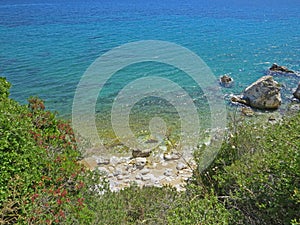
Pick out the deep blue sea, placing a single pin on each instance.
(47, 45)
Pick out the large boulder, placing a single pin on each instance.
(281, 69)
(263, 94)
(297, 92)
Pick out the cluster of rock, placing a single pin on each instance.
(143, 169)
(262, 94)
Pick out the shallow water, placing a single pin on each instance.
(46, 46)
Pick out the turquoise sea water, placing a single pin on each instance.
(46, 46)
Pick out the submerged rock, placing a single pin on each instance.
(226, 81)
(297, 92)
(282, 69)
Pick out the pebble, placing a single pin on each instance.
(140, 162)
(125, 173)
(181, 166)
(163, 148)
(119, 177)
(138, 177)
(114, 160)
(144, 171)
(103, 170)
(171, 156)
(146, 178)
(117, 172)
(102, 161)
(168, 172)
(127, 181)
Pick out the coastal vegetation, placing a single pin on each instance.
(255, 178)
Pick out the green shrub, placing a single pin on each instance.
(134, 205)
(257, 171)
(195, 209)
(40, 179)
(4, 87)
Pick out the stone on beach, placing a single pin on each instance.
(181, 166)
(102, 161)
(171, 156)
(140, 162)
(141, 153)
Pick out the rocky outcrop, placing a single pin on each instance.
(297, 92)
(226, 81)
(262, 94)
(281, 69)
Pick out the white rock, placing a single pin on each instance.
(163, 148)
(103, 170)
(117, 172)
(138, 176)
(171, 156)
(125, 173)
(146, 178)
(111, 168)
(119, 177)
(114, 160)
(168, 172)
(140, 162)
(144, 171)
(127, 181)
(181, 166)
(102, 161)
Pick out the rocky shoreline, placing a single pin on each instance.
(144, 168)
(123, 171)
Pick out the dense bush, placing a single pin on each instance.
(257, 171)
(134, 205)
(197, 209)
(40, 179)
